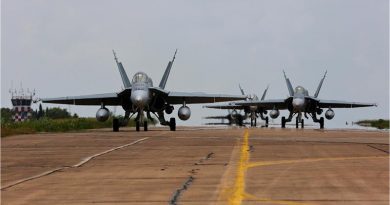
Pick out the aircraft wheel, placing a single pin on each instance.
(266, 122)
(322, 123)
(302, 123)
(115, 125)
(145, 125)
(137, 126)
(172, 124)
(283, 122)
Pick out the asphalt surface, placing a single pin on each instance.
(196, 165)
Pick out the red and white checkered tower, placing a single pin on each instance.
(21, 102)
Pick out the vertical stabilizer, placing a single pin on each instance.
(122, 71)
(320, 85)
(242, 90)
(265, 93)
(289, 86)
(164, 79)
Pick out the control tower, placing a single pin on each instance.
(21, 102)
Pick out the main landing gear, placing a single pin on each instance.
(116, 122)
(264, 118)
(115, 125)
(284, 120)
(315, 119)
(172, 124)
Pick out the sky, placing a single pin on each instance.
(64, 48)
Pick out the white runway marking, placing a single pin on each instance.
(84, 161)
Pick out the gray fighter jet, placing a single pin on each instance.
(252, 111)
(300, 103)
(141, 96)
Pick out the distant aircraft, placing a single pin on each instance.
(141, 96)
(299, 102)
(233, 118)
(249, 110)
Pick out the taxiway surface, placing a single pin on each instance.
(197, 166)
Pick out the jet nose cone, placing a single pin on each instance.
(139, 99)
(298, 103)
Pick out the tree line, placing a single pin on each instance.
(51, 113)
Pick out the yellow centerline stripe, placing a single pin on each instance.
(239, 185)
(238, 193)
(265, 200)
(268, 163)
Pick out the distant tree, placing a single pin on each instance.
(6, 115)
(40, 112)
(57, 113)
(34, 114)
(75, 115)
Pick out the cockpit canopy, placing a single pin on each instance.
(141, 77)
(252, 97)
(301, 90)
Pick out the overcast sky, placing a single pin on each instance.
(63, 48)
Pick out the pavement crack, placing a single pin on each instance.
(190, 179)
(386, 151)
(209, 156)
(84, 161)
(178, 192)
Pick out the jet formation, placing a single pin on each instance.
(299, 103)
(140, 97)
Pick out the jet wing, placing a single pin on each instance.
(193, 98)
(266, 104)
(97, 99)
(341, 104)
(216, 117)
(232, 106)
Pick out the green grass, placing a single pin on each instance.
(54, 125)
(380, 124)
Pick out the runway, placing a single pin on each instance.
(197, 165)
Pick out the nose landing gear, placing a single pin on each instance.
(299, 121)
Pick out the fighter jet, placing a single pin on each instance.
(300, 103)
(141, 96)
(230, 119)
(249, 110)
